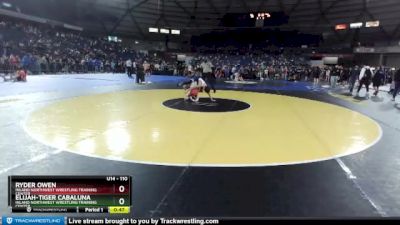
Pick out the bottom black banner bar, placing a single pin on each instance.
(118, 220)
(212, 221)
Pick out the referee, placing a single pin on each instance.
(208, 75)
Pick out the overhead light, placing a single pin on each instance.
(6, 4)
(153, 30)
(262, 16)
(372, 23)
(356, 25)
(251, 15)
(136, 42)
(175, 32)
(72, 27)
(113, 38)
(164, 31)
(341, 27)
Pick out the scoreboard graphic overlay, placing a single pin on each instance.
(74, 194)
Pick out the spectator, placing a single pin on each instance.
(365, 79)
(396, 80)
(377, 80)
(354, 76)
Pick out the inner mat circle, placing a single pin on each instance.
(135, 126)
(206, 105)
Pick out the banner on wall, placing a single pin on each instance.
(330, 60)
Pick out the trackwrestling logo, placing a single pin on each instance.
(22, 220)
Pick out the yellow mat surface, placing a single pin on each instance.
(134, 126)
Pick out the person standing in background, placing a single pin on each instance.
(328, 74)
(233, 71)
(226, 71)
(285, 73)
(113, 66)
(190, 69)
(139, 73)
(261, 71)
(315, 74)
(396, 80)
(354, 75)
(128, 65)
(334, 76)
(377, 80)
(208, 74)
(365, 79)
(133, 66)
(344, 78)
(146, 67)
(390, 80)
